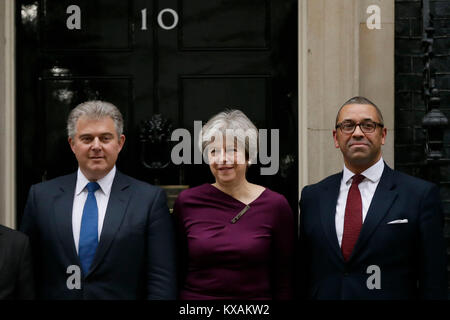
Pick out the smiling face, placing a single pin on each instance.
(227, 162)
(96, 146)
(360, 150)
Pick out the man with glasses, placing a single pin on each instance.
(370, 232)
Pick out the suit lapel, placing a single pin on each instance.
(382, 200)
(327, 205)
(63, 216)
(115, 211)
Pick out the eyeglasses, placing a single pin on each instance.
(366, 126)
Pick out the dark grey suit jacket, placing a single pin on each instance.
(16, 271)
(135, 258)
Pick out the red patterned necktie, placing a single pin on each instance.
(353, 217)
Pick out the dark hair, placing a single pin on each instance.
(360, 100)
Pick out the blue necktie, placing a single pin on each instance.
(89, 228)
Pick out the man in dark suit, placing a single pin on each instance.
(370, 232)
(97, 233)
(16, 270)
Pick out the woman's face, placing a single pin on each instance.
(227, 162)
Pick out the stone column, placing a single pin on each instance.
(7, 115)
(377, 66)
(340, 58)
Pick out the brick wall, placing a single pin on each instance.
(409, 104)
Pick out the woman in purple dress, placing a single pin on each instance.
(236, 238)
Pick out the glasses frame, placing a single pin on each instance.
(358, 124)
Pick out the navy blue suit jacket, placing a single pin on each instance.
(135, 258)
(410, 256)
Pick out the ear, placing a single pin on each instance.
(336, 143)
(383, 136)
(121, 141)
(71, 143)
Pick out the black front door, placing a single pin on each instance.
(165, 64)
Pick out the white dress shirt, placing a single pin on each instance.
(367, 189)
(101, 195)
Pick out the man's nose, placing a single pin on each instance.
(96, 144)
(358, 132)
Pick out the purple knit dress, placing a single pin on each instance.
(249, 259)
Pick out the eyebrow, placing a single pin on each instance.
(88, 135)
(355, 121)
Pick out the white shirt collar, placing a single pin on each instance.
(373, 173)
(105, 183)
